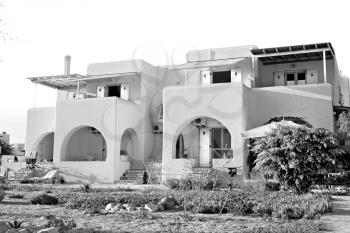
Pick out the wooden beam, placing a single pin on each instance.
(291, 53)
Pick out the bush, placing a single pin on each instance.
(16, 196)
(89, 202)
(213, 202)
(290, 206)
(296, 156)
(2, 195)
(272, 186)
(172, 183)
(44, 199)
(210, 181)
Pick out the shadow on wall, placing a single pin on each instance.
(73, 176)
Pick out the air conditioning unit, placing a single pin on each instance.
(200, 122)
(157, 128)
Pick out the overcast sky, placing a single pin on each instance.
(159, 32)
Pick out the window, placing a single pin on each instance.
(114, 91)
(296, 78)
(221, 77)
(221, 143)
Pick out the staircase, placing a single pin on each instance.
(198, 171)
(132, 176)
(154, 171)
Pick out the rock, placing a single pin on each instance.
(112, 207)
(49, 230)
(109, 206)
(3, 227)
(151, 207)
(168, 203)
(117, 208)
(161, 208)
(129, 207)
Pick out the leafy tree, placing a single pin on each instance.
(297, 156)
(343, 125)
(6, 149)
(343, 134)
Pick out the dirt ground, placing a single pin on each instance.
(21, 209)
(339, 219)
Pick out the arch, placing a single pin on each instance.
(217, 140)
(84, 143)
(130, 147)
(44, 146)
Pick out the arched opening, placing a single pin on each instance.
(44, 148)
(85, 144)
(130, 148)
(203, 139)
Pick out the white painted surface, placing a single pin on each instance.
(204, 147)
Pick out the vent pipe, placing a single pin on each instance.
(67, 65)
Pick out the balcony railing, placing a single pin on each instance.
(222, 153)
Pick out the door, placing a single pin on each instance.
(204, 147)
(278, 78)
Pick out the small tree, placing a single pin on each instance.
(343, 125)
(296, 156)
(343, 134)
(6, 149)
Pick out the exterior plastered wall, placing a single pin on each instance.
(222, 102)
(40, 122)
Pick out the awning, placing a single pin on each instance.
(201, 64)
(264, 130)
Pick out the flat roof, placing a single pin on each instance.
(295, 53)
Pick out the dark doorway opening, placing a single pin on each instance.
(114, 91)
(222, 77)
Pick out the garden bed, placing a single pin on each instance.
(240, 211)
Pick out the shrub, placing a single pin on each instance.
(2, 194)
(210, 181)
(290, 206)
(44, 199)
(297, 155)
(16, 196)
(86, 188)
(15, 224)
(272, 186)
(92, 203)
(172, 183)
(212, 202)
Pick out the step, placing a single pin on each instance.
(135, 171)
(129, 178)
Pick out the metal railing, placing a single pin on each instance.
(222, 153)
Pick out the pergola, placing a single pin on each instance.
(296, 53)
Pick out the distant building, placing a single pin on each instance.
(5, 137)
(18, 149)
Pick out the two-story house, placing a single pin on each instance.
(121, 115)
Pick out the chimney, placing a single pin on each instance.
(66, 65)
